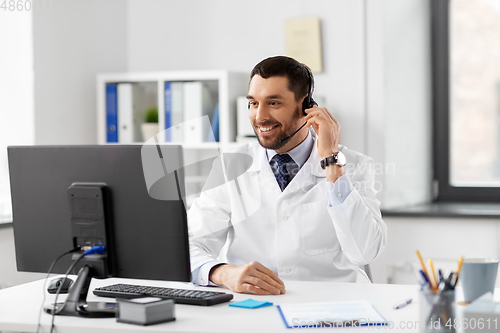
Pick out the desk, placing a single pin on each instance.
(19, 307)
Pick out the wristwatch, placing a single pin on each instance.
(337, 158)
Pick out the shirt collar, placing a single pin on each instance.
(300, 153)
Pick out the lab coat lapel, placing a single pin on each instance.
(266, 177)
(310, 173)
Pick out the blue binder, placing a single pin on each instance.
(168, 112)
(215, 125)
(111, 113)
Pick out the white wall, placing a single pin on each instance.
(444, 240)
(16, 94)
(73, 42)
(399, 131)
(16, 121)
(9, 275)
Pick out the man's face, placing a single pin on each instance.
(274, 112)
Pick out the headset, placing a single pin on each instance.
(308, 102)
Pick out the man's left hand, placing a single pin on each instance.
(328, 130)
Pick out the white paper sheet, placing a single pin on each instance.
(330, 314)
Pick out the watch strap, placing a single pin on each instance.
(330, 160)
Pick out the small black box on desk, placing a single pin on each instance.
(145, 310)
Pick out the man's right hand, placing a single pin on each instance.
(253, 278)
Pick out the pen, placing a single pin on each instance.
(402, 304)
(426, 279)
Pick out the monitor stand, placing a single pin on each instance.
(76, 303)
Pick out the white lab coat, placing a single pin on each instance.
(295, 233)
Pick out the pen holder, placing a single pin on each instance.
(437, 311)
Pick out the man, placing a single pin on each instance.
(286, 217)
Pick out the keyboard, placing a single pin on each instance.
(180, 296)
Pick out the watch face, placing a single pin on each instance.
(341, 160)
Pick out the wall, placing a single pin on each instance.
(9, 275)
(17, 121)
(73, 42)
(408, 132)
(444, 240)
(16, 94)
(399, 131)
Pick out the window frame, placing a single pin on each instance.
(440, 54)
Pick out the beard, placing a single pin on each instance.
(279, 141)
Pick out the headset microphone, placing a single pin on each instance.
(285, 140)
(308, 103)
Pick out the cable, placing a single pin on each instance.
(45, 283)
(94, 250)
(60, 287)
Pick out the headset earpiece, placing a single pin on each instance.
(309, 102)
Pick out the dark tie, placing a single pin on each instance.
(280, 164)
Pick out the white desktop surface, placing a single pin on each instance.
(19, 308)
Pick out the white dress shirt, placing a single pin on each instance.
(313, 230)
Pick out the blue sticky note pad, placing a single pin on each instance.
(250, 304)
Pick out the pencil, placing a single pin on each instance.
(422, 263)
(433, 279)
(460, 262)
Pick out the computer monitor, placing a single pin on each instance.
(146, 238)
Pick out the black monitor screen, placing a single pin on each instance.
(150, 238)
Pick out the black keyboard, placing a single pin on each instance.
(181, 296)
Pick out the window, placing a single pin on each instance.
(466, 99)
(16, 91)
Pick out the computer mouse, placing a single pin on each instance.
(55, 283)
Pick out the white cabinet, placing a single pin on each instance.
(225, 86)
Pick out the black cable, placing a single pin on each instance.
(45, 283)
(60, 287)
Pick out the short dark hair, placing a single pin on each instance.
(299, 78)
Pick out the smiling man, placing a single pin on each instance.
(315, 218)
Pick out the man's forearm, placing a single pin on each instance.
(216, 274)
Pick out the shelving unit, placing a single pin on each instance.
(226, 86)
